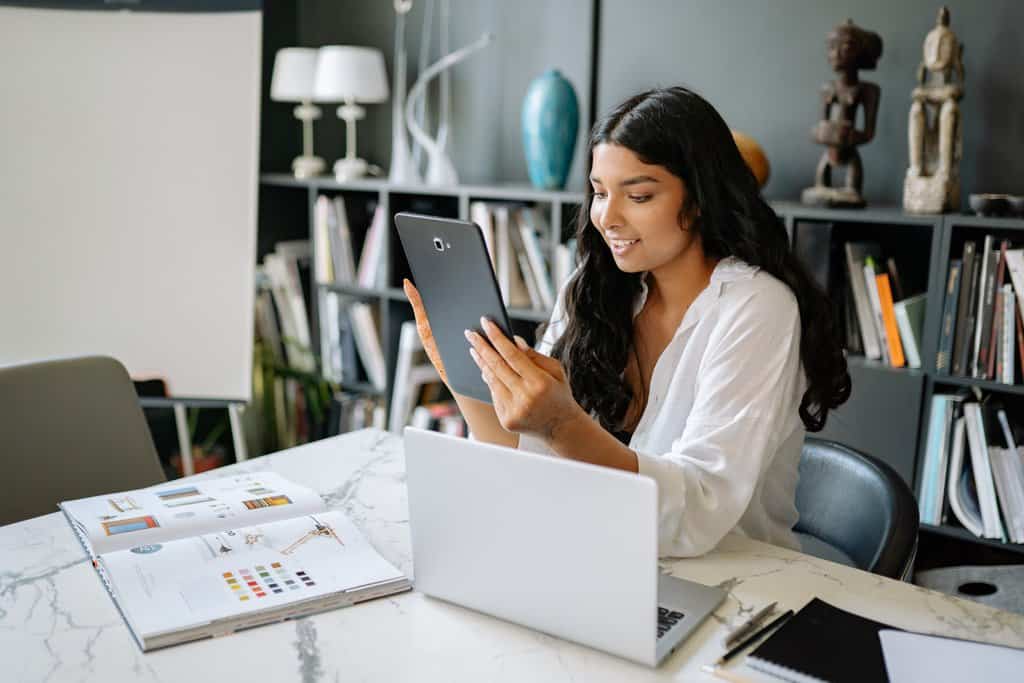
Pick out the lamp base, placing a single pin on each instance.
(349, 169)
(308, 166)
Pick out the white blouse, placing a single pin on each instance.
(721, 434)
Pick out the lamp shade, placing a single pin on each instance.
(345, 72)
(294, 71)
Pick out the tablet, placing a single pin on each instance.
(452, 270)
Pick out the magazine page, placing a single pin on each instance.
(168, 587)
(172, 510)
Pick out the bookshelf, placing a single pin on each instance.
(299, 197)
(888, 410)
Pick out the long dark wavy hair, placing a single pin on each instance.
(677, 129)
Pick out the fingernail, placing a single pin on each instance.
(521, 343)
(484, 322)
(469, 335)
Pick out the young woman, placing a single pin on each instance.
(689, 345)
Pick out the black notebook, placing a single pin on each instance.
(823, 643)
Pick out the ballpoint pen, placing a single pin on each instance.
(754, 636)
(747, 627)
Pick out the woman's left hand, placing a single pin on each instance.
(530, 391)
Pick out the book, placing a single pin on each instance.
(856, 252)
(871, 284)
(936, 456)
(986, 282)
(977, 444)
(962, 495)
(965, 311)
(944, 357)
(190, 560)
(994, 348)
(910, 321)
(530, 223)
(892, 335)
(367, 341)
(822, 642)
(371, 261)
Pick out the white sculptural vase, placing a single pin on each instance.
(440, 170)
(402, 170)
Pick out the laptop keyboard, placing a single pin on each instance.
(667, 619)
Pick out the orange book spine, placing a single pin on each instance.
(892, 333)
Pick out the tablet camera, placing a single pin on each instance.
(438, 244)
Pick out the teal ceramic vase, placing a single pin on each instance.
(550, 121)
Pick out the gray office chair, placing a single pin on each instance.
(69, 429)
(855, 509)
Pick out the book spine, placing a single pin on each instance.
(892, 335)
(907, 335)
(997, 313)
(986, 280)
(943, 358)
(871, 284)
(963, 315)
(865, 317)
(1009, 368)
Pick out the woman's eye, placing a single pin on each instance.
(640, 199)
(599, 195)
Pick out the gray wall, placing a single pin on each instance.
(761, 64)
(487, 89)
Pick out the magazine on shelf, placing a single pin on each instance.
(190, 560)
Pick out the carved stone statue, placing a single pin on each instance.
(935, 130)
(850, 48)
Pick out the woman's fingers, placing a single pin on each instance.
(488, 358)
(550, 365)
(515, 358)
(499, 392)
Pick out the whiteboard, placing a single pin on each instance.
(128, 185)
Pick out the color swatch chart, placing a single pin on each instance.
(261, 581)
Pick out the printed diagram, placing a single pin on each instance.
(320, 529)
(269, 501)
(188, 495)
(123, 503)
(123, 526)
(221, 544)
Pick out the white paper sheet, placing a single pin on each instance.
(919, 658)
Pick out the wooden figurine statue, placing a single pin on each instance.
(935, 129)
(850, 48)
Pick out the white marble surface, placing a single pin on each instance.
(58, 624)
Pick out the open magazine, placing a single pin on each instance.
(184, 561)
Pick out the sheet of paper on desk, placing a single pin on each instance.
(915, 657)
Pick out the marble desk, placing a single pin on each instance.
(58, 624)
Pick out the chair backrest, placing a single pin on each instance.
(69, 429)
(859, 505)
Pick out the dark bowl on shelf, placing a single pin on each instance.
(988, 204)
(1016, 203)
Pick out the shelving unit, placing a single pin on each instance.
(888, 409)
(390, 301)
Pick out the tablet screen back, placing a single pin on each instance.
(452, 271)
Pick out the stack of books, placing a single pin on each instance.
(881, 322)
(981, 315)
(973, 468)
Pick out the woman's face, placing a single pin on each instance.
(637, 208)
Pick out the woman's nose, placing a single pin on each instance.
(610, 214)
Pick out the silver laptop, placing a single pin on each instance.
(560, 546)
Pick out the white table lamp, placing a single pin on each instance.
(292, 81)
(350, 75)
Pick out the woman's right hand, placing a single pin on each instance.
(423, 328)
